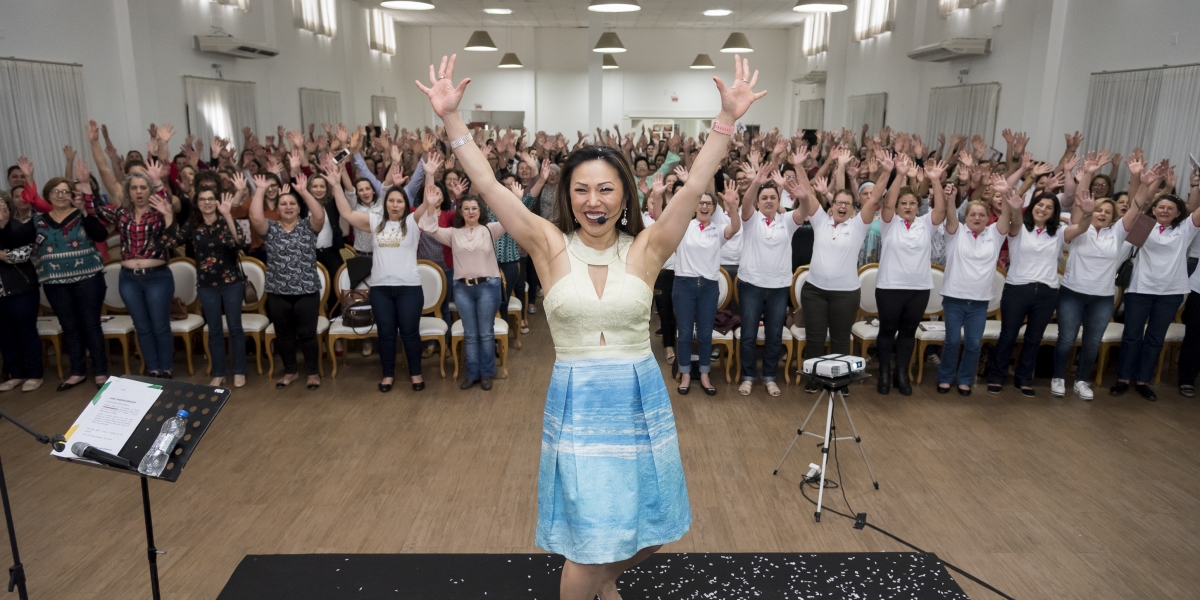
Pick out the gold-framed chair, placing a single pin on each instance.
(322, 329)
(254, 317)
(433, 328)
(115, 321)
(799, 277)
(50, 330)
(1172, 340)
(339, 331)
(787, 341)
(933, 308)
(183, 269)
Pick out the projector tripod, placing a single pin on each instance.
(829, 389)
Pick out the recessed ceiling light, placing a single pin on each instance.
(498, 11)
(614, 6)
(407, 4)
(718, 12)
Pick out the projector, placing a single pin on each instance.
(834, 365)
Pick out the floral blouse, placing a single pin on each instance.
(216, 253)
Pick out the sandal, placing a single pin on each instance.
(286, 381)
(1187, 391)
(312, 385)
(746, 387)
(524, 328)
(773, 388)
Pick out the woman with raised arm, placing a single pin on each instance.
(831, 295)
(609, 496)
(905, 279)
(971, 256)
(395, 283)
(220, 282)
(293, 281)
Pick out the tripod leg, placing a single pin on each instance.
(16, 573)
(812, 410)
(799, 432)
(858, 440)
(824, 456)
(151, 551)
(785, 454)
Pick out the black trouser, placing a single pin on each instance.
(1189, 353)
(331, 257)
(664, 286)
(19, 341)
(531, 276)
(829, 311)
(512, 275)
(1035, 302)
(900, 313)
(296, 316)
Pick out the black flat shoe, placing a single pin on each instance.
(995, 388)
(1187, 391)
(165, 375)
(711, 391)
(684, 390)
(1119, 388)
(1146, 392)
(154, 374)
(385, 387)
(943, 390)
(64, 386)
(812, 387)
(1027, 392)
(962, 392)
(468, 384)
(418, 386)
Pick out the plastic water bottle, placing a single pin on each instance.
(156, 459)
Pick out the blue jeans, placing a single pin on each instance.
(19, 341)
(1035, 302)
(398, 307)
(695, 300)
(964, 325)
(770, 305)
(477, 306)
(148, 300)
(1139, 351)
(77, 306)
(1075, 309)
(224, 299)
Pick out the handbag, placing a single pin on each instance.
(357, 311)
(249, 294)
(179, 310)
(1125, 271)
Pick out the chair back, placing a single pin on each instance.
(867, 276)
(256, 275)
(724, 283)
(183, 269)
(324, 278)
(347, 251)
(934, 306)
(798, 279)
(998, 278)
(433, 285)
(112, 294)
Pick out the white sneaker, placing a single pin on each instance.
(1058, 387)
(1083, 390)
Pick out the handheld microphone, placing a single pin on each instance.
(84, 450)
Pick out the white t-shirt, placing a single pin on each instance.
(1160, 267)
(970, 262)
(904, 260)
(1092, 262)
(767, 251)
(394, 261)
(699, 254)
(1194, 249)
(1034, 255)
(834, 266)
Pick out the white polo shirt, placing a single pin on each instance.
(699, 254)
(834, 266)
(1093, 260)
(904, 260)
(1160, 267)
(970, 262)
(767, 251)
(731, 252)
(1034, 255)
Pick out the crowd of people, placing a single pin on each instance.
(828, 201)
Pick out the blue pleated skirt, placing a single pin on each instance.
(611, 480)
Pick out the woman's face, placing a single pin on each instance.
(995, 202)
(842, 208)
(704, 210)
(187, 176)
(768, 202)
(493, 160)
(272, 194)
(658, 161)
(670, 180)
(397, 208)
(139, 192)
(370, 164)
(1103, 216)
(552, 176)
(206, 202)
(289, 208)
(366, 193)
(318, 188)
(470, 212)
(1165, 211)
(18, 202)
(907, 207)
(641, 168)
(596, 192)
(134, 155)
(977, 219)
(451, 179)
(1122, 205)
(1100, 188)
(523, 171)
(1043, 211)
(60, 196)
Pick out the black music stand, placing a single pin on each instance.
(830, 387)
(203, 403)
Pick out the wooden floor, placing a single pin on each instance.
(1043, 497)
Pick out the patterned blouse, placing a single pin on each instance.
(145, 238)
(292, 259)
(216, 253)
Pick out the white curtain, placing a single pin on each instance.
(816, 34)
(873, 17)
(1121, 113)
(1176, 130)
(319, 107)
(216, 107)
(963, 109)
(42, 109)
(810, 114)
(381, 32)
(383, 111)
(317, 16)
(870, 110)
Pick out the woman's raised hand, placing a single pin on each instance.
(732, 199)
(396, 174)
(239, 181)
(301, 180)
(1086, 201)
(260, 182)
(226, 204)
(935, 170)
(737, 98)
(444, 96)
(433, 162)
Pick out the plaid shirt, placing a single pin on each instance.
(147, 238)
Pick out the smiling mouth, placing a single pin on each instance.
(593, 216)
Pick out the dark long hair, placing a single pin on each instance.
(403, 217)
(460, 222)
(1052, 222)
(1180, 206)
(631, 210)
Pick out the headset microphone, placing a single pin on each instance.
(602, 219)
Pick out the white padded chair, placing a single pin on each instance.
(183, 269)
(797, 332)
(721, 340)
(323, 326)
(254, 318)
(936, 335)
(339, 331)
(863, 332)
(116, 322)
(433, 328)
(50, 330)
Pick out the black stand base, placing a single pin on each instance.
(151, 552)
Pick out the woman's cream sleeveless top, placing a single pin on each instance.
(578, 317)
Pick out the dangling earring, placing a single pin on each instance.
(624, 219)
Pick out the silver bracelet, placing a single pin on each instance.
(460, 141)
